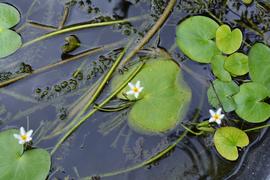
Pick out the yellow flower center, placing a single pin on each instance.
(136, 90)
(216, 117)
(24, 137)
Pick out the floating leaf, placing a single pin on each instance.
(164, 99)
(228, 41)
(237, 64)
(17, 165)
(225, 91)
(259, 64)
(247, 1)
(227, 139)
(194, 37)
(10, 41)
(250, 102)
(217, 64)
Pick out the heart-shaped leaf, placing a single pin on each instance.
(18, 165)
(194, 37)
(10, 41)
(217, 64)
(225, 92)
(164, 99)
(227, 139)
(228, 41)
(250, 102)
(237, 64)
(9, 16)
(259, 64)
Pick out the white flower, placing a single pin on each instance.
(216, 116)
(24, 137)
(135, 89)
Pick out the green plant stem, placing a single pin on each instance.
(149, 161)
(64, 18)
(60, 62)
(192, 132)
(87, 116)
(257, 128)
(151, 32)
(41, 26)
(79, 27)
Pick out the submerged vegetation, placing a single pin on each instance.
(146, 86)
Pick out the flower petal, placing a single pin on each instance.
(130, 92)
(17, 136)
(136, 95)
(212, 112)
(211, 120)
(22, 131)
(140, 89)
(29, 133)
(21, 141)
(218, 121)
(138, 84)
(219, 111)
(221, 116)
(131, 85)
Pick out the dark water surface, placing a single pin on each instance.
(105, 142)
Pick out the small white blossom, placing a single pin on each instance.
(216, 116)
(135, 89)
(24, 137)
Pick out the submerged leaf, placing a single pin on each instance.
(237, 64)
(194, 37)
(250, 102)
(224, 91)
(259, 64)
(217, 64)
(164, 99)
(15, 164)
(227, 139)
(228, 41)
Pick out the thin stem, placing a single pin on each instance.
(60, 62)
(41, 26)
(192, 132)
(152, 31)
(257, 128)
(64, 19)
(79, 27)
(87, 116)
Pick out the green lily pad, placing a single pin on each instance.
(259, 64)
(164, 99)
(250, 102)
(18, 165)
(217, 64)
(227, 139)
(225, 92)
(228, 41)
(10, 41)
(194, 37)
(237, 64)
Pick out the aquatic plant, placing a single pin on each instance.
(10, 41)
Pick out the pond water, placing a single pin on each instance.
(105, 143)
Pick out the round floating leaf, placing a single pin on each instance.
(194, 37)
(164, 99)
(9, 16)
(237, 64)
(227, 139)
(10, 41)
(225, 91)
(250, 102)
(247, 1)
(217, 64)
(259, 64)
(228, 41)
(18, 165)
